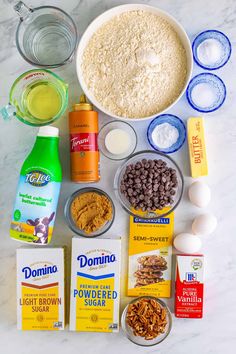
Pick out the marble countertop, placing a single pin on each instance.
(216, 332)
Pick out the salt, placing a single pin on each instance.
(165, 135)
(203, 95)
(210, 51)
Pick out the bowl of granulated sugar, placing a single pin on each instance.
(134, 61)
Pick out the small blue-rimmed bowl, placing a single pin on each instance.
(218, 89)
(225, 44)
(172, 120)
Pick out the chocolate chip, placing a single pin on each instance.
(167, 186)
(130, 191)
(149, 184)
(155, 187)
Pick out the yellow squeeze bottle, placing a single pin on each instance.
(197, 147)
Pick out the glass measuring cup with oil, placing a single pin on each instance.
(37, 97)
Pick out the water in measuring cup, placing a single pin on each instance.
(48, 40)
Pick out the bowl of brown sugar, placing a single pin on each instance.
(89, 212)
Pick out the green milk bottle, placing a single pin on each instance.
(38, 190)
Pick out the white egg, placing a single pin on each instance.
(199, 194)
(204, 224)
(187, 243)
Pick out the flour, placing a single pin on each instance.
(135, 64)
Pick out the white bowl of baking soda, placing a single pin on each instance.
(134, 61)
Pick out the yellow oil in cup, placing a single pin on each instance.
(37, 97)
(43, 101)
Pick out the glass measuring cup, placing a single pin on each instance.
(46, 36)
(37, 97)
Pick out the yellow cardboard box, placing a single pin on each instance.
(95, 285)
(150, 252)
(40, 289)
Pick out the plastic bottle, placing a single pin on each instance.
(38, 190)
(84, 154)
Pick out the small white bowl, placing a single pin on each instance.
(106, 16)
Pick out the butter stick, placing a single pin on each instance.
(197, 147)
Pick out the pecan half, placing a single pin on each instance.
(147, 318)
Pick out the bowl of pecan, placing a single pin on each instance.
(149, 185)
(146, 321)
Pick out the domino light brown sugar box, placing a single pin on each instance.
(95, 285)
(189, 286)
(40, 289)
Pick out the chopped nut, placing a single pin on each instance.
(147, 318)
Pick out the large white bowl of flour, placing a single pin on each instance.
(134, 61)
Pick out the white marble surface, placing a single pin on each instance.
(216, 332)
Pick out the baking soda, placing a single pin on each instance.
(165, 135)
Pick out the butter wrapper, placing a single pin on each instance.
(197, 147)
(150, 253)
(40, 289)
(95, 285)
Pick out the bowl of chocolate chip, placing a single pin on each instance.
(149, 185)
(146, 321)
